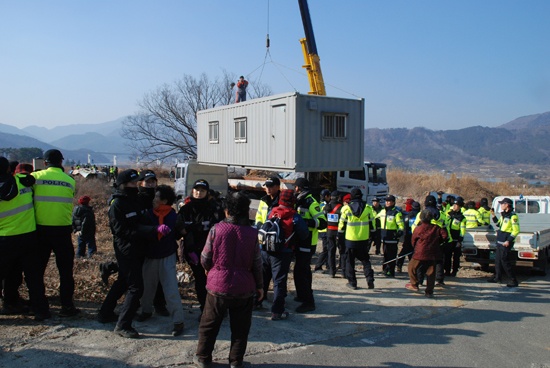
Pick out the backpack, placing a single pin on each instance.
(271, 235)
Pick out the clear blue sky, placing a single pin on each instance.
(432, 63)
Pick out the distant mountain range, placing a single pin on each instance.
(100, 141)
(524, 140)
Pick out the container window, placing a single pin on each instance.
(213, 132)
(334, 126)
(240, 130)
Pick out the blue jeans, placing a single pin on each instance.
(276, 267)
(82, 243)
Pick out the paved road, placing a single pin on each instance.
(467, 324)
(507, 328)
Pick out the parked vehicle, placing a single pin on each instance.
(532, 245)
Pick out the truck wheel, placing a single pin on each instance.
(485, 267)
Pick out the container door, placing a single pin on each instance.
(277, 141)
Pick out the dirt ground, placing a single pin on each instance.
(82, 341)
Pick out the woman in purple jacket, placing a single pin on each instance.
(232, 260)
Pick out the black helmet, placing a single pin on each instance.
(459, 201)
(324, 193)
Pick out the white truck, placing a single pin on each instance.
(371, 180)
(532, 246)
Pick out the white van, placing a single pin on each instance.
(190, 171)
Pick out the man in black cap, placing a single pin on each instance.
(194, 221)
(271, 199)
(391, 226)
(508, 229)
(53, 207)
(129, 237)
(308, 207)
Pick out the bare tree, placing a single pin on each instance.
(166, 124)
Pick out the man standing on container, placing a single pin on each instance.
(316, 220)
(241, 90)
(53, 207)
(508, 229)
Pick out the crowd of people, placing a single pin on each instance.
(232, 273)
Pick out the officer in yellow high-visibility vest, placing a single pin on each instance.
(508, 230)
(308, 207)
(53, 207)
(17, 236)
(391, 226)
(355, 223)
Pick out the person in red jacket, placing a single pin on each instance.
(241, 90)
(426, 241)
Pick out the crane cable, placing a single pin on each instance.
(279, 67)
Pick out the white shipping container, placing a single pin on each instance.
(287, 132)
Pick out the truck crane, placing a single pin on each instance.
(311, 57)
(374, 173)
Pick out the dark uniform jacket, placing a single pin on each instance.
(126, 223)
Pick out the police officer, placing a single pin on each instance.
(309, 209)
(53, 207)
(17, 236)
(391, 226)
(508, 229)
(271, 199)
(323, 256)
(332, 211)
(407, 248)
(355, 222)
(375, 230)
(456, 222)
(473, 219)
(484, 212)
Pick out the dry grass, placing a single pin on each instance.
(416, 185)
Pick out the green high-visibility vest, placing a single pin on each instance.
(53, 197)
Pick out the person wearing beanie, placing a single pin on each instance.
(54, 192)
(84, 226)
(426, 241)
(391, 226)
(484, 212)
(438, 218)
(333, 210)
(457, 228)
(406, 250)
(354, 226)
(194, 221)
(277, 264)
(309, 209)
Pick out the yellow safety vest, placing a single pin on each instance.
(17, 215)
(53, 197)
(357, 228)
(312, 212)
